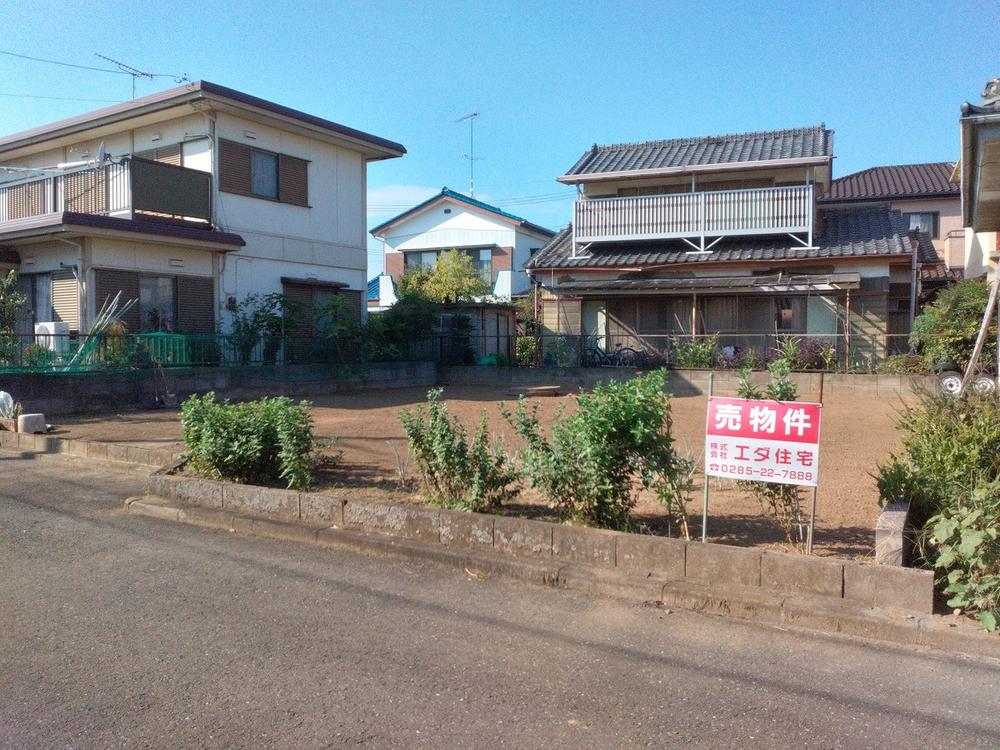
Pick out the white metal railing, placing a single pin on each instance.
(103, 189)
(695, 215)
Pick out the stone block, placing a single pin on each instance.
(8, 440)
(719, 563)
(76, 447)
(410, 522)
(26, 441)
(117, 452)
(889, 587)
(656, 556)
(579, 544)
(31, 423)
(97, 450)
(802, 573)
(890, 535)
(315, 506)
(521, 537)
(466, 529)
(207, 517)
(289, 532)
(190, 491)
(260, 500)
(138, 455)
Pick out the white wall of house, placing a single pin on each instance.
(325, 241)
(982, 256)
(448, 223)
(462, 226)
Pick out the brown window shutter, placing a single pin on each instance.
(66, 299)
(195, 304)
(353, 299)
(234, 167)
(26, 200)
(86, 192)
(300, 322)
(108, 283)
(293, 180)
(164, 154)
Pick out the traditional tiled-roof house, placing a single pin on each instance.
(723, 234)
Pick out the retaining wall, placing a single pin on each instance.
(57, 393)
(643, 556)
(681, 382)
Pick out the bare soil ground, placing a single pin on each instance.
(858, 432)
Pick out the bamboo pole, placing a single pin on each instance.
(984, 330)
(812, 512)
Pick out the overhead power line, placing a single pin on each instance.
(61, 98)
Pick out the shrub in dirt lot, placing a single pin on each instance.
(782, 502)
(949, 472)
(474, 476)
(526, 351)
(946, 330)
(597, 458)
(256, 442)
(696, 353)
(965, 542)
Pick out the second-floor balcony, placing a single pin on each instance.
(130, 189)
(697, 216)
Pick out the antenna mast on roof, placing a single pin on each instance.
(134, 72)
(471, 156)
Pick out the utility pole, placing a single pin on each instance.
(471, 156)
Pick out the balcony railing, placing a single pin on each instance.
(128, 189)
(722, 213)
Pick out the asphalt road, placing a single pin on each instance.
(121, 631)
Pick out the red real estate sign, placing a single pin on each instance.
(767, 441)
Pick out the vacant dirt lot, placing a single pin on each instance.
(858, 432)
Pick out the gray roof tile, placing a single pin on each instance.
(798, 143)
(846, 233)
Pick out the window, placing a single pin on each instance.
(924, 221)
(157, 303)
(264, 174)
(790, 313)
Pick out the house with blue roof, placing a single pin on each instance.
(499, 243)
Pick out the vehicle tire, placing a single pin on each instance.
(984, 385)
(950, 383)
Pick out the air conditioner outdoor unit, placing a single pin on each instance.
(53, 334)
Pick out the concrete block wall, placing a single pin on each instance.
(73, 393)
(679, 382)
(642, 557)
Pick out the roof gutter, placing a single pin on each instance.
(716, 263)
(691, 169)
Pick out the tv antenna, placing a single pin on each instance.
(134, 72)
(471, 156)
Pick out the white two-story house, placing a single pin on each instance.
(723, 235)
(499, 243)
(187, 201)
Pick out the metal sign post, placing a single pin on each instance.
(704, 501)
(812, 513)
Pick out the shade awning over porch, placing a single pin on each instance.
(772, 283)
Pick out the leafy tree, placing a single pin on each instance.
(12, 301)
(946, 330)
(454, 279)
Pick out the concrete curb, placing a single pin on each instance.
(873, 586)
(129, 454)
(760, 605)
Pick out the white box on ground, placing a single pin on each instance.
(52, 334)
(31, 423)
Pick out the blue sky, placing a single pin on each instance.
(549, 78)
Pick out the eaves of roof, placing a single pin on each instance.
(190, 92)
